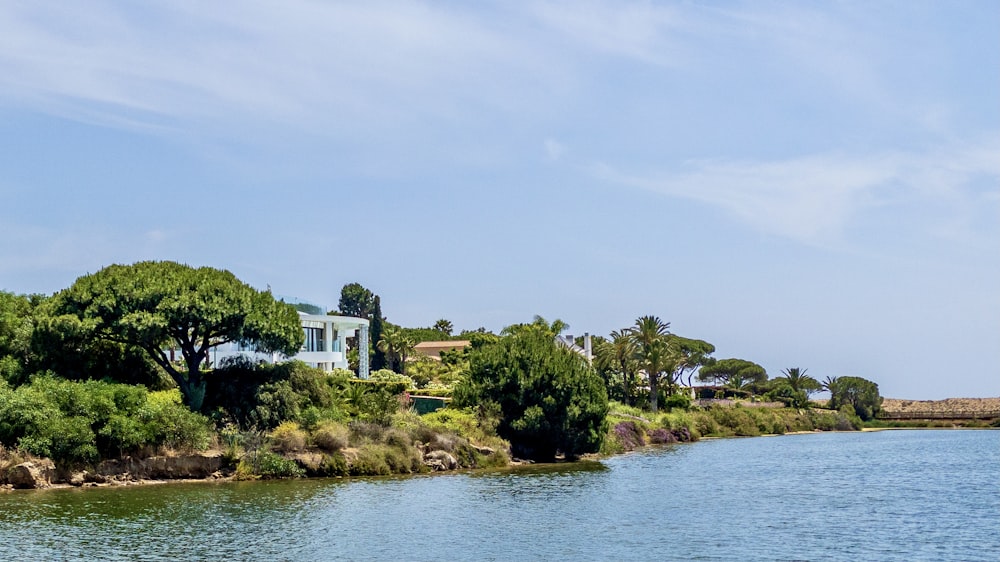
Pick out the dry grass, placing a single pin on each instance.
(967, 406)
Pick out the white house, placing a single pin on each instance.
(325, 344)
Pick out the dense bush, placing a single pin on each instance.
(82, 421)
(679, 400)
(548, 398)
(263, 396)
(270, 465)
(860, 394)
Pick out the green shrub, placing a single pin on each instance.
(370, 461)
(387, 376)
(271, 465)
(173, 425)
(679, 401)
(403, 460)
(288, 437)
(334, 465)
(331, 436)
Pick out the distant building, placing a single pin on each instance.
(433, 349)
(324, 347)
(570, 342)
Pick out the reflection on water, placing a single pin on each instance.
(890, 496)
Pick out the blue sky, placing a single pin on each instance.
(811, 184)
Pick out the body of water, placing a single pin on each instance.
(891, 495)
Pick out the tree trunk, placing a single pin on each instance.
(652, 392)
(193, 393)
(193, 388)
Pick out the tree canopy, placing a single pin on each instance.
(726, 370)
(548, 399)
(356, 301)
(160, 305)
(856, 392)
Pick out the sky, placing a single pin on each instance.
(802, 184)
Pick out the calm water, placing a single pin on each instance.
(893, 495)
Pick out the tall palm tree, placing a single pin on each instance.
(653, 351)
(397, 345)
(829, 384)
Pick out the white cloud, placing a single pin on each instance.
(813, 199)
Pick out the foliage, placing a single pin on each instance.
(356, 301)
(266, 395)
(692, 354)
(547, 398)
(794, 388)
(444, 326)
(677, 401)
(288, 437)
(617, 362)
(331, 436)
(387, 376)
(270, 465)
(653, 352)
(860, 394)
(155, 305)
(727, 371)
(73, 421)
(397, 346)
(16, 327)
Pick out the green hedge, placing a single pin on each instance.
(392, 387)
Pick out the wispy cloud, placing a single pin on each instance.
(815, 198)
(310, 65)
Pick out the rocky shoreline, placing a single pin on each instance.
(41, 473)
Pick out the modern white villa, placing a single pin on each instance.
(325, 344)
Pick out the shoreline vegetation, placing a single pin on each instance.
(454, 442)
(93, 394)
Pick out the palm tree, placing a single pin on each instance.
(829, 384)
(619, 355)
(554, 329)
(397, 345)
(799, 381)
(444, 326)
(653, 351)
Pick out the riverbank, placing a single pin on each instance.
(447, 440)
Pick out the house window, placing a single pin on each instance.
(314, 339)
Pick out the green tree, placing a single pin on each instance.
(618, 356)
(692, 354)
(861, 394)
(722, 370)
(156, 306)
(538, 324)
(16, 328)
(376, 328)
(829, 384)
(356, 301)
(801, 385)
(548, 398)
(654, 352)
(397, 346)
(444, 326)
